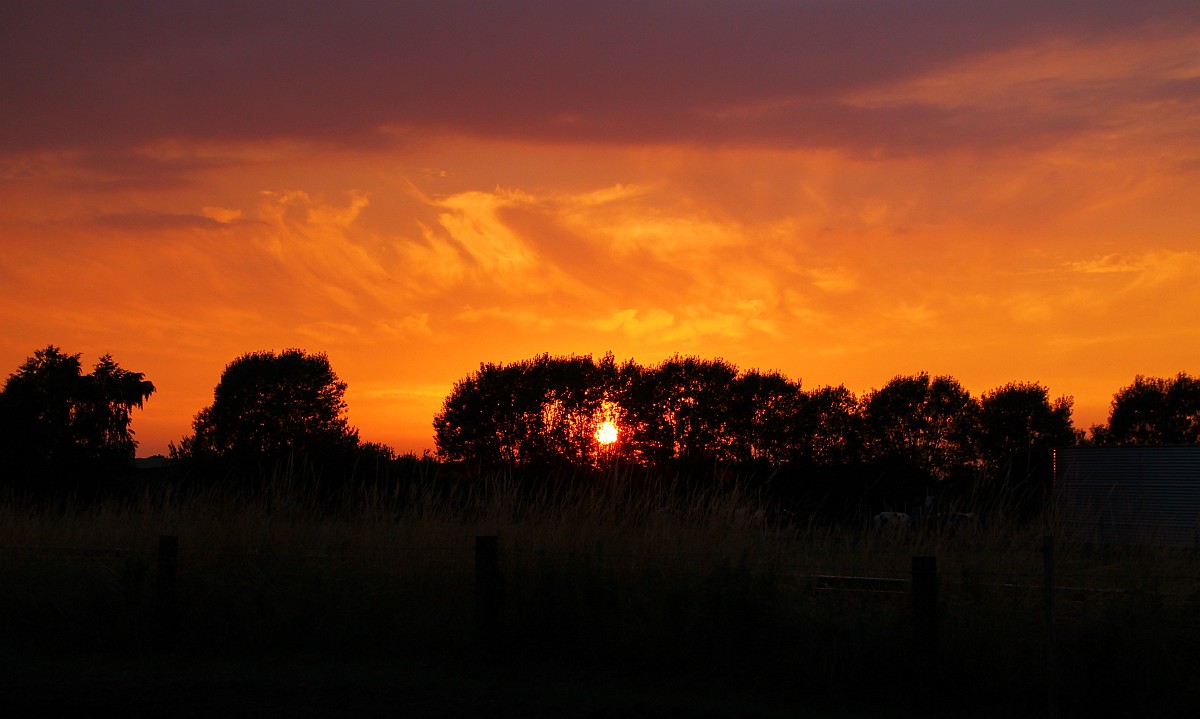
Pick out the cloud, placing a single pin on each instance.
(625, 261)
(911, 314)
(1107, 264)
(491, 247)
(410, 326)
(1152, 268)
(326, 334)
(637, 324)
(154, 221)
(359, 74)
(689, 324)
(523, 318)
(837, 280)
(116, 169)
(222, 215)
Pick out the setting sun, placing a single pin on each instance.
(606, 433)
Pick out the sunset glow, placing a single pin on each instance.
(606, 433)
(840, 191)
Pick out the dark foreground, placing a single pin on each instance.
(167, 686)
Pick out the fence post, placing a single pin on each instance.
(924, 599)
(489, 590)
(166, 608)
(1051, 648)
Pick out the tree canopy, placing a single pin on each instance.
(53, 414)
(1155, 410)
(680, 409)
(1019, 426)
(928, 422)
(536, 411)
(688, 409)
(269, 405)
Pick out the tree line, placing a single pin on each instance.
(686, 410)
(545, 412)
(62, 428)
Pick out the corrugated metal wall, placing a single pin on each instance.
(1130, 494)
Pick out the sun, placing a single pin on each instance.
(606, 433)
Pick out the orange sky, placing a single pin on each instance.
(843, 191)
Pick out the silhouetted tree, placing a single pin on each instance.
(53, 415)
(763, 408)
(923, 422)
(916, 429)
(680, 410)
(476, 418)
(1155, 410)
(269, 405)
(539, 411)
(828, 431)
(578, 395)
(1018, 430)
(547, 409)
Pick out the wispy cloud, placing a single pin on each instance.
(149, 221)
(1107, 264)
(637, 323)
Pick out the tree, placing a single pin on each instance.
(1019, 425)
(52, 414)
(763, 409)
(577, 395)
(269, 405)
(474, 419)
(1018, 430)
(680, 410)
(927, 423)
(543, 410)
(110, 394)
(828, 430)
(547, 409)
(1155, 410)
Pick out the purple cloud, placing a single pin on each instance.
(92, 75)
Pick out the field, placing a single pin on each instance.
(612, 599)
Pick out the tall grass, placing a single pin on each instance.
(656, 575)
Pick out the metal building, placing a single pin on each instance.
(1130, 494)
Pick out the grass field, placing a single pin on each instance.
(666, 598)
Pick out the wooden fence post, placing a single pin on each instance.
(489, 590)
(1051, 648)
(166, 607)
(924, 599)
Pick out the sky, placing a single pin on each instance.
(841, 190)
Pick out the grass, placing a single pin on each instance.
(697, 587)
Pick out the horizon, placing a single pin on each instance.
(142, 453)
(842, 192)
